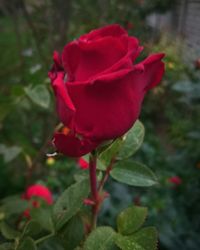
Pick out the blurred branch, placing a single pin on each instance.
(33, 163)
(61, 16)
(34, 32)
(12, 12)
(104, 6)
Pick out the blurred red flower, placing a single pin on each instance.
(176, 180)
(36, 191)
(83, 163)
(197, 63)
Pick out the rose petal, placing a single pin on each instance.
(83, 60)
(57, 66)
(126, 62)
(70, 59)
(155, 68)
(65, 107)
(107, 108)
(105, 112)
(73, 146)
(114, 30)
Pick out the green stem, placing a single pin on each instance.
(94, 191)
(44, 238)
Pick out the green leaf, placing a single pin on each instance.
(8, 232)
(43, 216)
(13, 205)
(72, 233)
(81, 175)
(132, 140)
(102, 238)
(51, 244)
(39, 95)
(131, 219)
(32, 228)
(5, 109)
(110, 152)
(27, 244)
(9, 153)
(69, 203)
(133, 173)
(7, 246)
(145, 239)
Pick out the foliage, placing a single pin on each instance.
(66, 217)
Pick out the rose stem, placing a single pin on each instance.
(93, 187)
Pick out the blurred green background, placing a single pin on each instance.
(30, 30)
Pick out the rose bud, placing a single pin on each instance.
(98, 88)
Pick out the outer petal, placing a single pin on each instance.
(83, 60)
(107, 108)
(70, 59)
(57, 66)
(155, 68)
(126, 62)
(65, 107)
(99, 58)
(73, 146)
(114, 30)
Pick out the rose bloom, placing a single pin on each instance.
(37, 191)
(98, 88)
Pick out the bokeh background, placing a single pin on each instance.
(30, 30)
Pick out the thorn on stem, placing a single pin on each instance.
(89, 202)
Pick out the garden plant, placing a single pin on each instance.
(77, 134)
(99, 91)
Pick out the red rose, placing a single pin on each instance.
(98, 89)
(40, 191)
